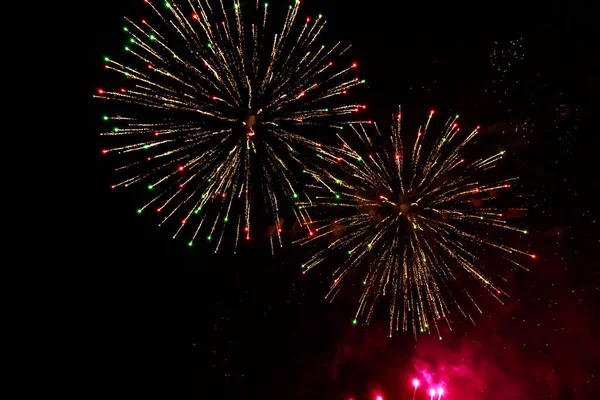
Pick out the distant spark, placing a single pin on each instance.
(218, 110)
(411, 220)
(505, 55)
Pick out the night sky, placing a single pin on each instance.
(188, 323)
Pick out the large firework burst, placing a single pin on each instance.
(418, 219)
(212, 101)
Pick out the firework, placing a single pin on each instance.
(415, 383)
(214, 108)
(506, 55)
(413, 220)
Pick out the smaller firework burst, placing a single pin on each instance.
(413, 221)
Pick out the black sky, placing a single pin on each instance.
(187, 323)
